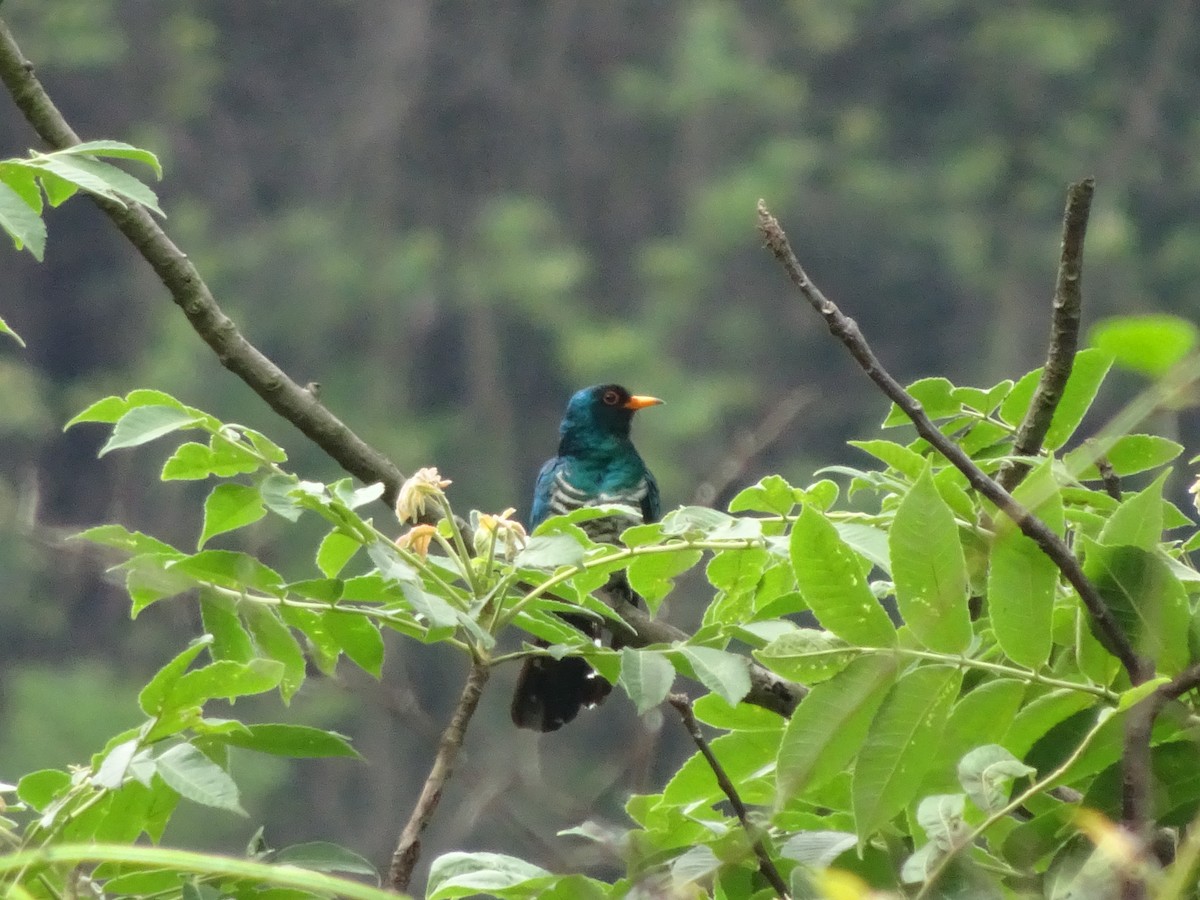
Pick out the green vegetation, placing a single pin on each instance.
(466, 218)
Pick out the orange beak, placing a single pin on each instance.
(641, 402)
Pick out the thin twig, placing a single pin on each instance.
(847, 331)
(408, 848)
(781, 414)
(1064, 333)
(173, 268)
(766, 865)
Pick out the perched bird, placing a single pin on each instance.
(596, 465)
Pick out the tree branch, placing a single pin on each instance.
(1064, 333)
(408, 848)
(1137, 787)
(191, 294)
(847, 331)
(766, 865)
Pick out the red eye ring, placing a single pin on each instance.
(611, 398)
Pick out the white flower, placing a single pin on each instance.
(425, 483)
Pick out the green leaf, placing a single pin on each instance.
(828, 727)
(22, 222)
(653, 574)
(471, 874)
(225, 679)
(5, 329)
(277, 495)
(929, 569)
(737, 570)
(131, 542)
(936, 396)
(549, 551)
(297, 741)
(189, 462)
(359, 638)
(1138, 521)
(231, 569)
(905, 461)
(817, 849)
(229, 507)
(807, 655)
(97, 177)
(831, 578)
(321, 856)
(116, 149)
(772, 495)
(108, 410)
(1149, 344)
(1091, 366)
(39, 789)
(145, 423)
(901, 745)
(154, 695)
(981, 716)
(198, 778)
(337, 549)
(1088, 371)
(1041, 714)
(1130, 454)
(275, 641)
(721, 672)
(646, 676)
(986, 773)
(1022, 580)
(713, 710)
(218, 614)
(941, 816)
(867, 541)
(746, 757)
(1145, 598)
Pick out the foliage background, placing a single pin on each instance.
(451, 216)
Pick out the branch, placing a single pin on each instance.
(1137, 787)
(408, 848)
(1064, 333)
(847, 331)
(191, 294)
(766, 865)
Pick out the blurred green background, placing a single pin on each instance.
(453, 214)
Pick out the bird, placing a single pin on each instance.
(596, 465)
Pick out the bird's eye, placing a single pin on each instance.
(611, 398)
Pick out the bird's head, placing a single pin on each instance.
(604, 409)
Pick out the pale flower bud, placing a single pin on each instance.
(510, 536)
(417, 539)
(425, 483)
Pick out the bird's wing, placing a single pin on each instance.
(543, 492)
(651, 503)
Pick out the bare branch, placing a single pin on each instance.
(766, 865)
(173, 268)
(408, 848)
(1064, 333)
(847, 331)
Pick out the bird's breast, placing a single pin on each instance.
(566, 496)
